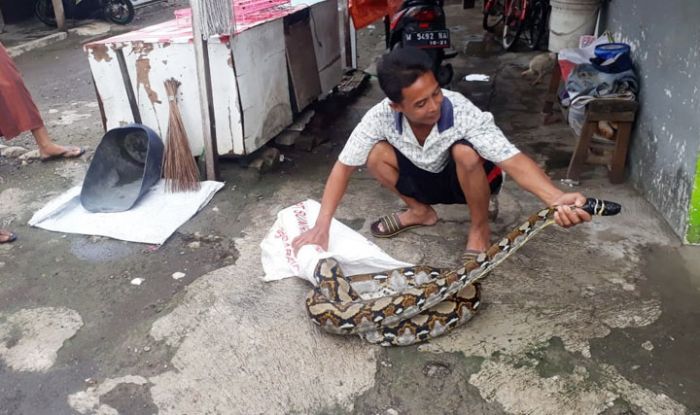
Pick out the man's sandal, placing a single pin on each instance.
(391, 226)
(470, 255)
(7, 237)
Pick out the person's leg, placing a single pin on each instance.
(48, 148)
(475, 186)
(384, 166)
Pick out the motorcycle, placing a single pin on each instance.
(421, 24)
(116, 11)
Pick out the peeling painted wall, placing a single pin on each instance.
(665, 41)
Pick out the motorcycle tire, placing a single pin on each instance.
(43, 10)
(493, 16)
(119, 11)
(444, 75)
(537, 27)
(512, 25)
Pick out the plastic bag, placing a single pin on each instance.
(569, 58)
(355, 253)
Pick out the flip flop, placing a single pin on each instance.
(65, 155)
(392, 226)
(470, 255)
(11, 237)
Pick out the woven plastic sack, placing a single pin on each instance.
(355, 253)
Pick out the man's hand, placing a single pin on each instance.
(317, 235)
(567, 215)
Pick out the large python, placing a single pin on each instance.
(409, 305)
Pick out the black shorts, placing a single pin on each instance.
(442, 187)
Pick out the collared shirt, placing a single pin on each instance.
(459, 119)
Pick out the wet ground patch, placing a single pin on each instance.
(658, 356)
(412, 382)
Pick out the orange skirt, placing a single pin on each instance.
(17, 110)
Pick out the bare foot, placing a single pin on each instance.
(479, 238)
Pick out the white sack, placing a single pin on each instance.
(354, 252)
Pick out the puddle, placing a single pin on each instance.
(103, 250)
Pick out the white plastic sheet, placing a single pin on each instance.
(354, 252)
(154, 218)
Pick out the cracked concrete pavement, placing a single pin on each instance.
(599, 319)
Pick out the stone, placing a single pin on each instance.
(194, 245)
(308, 142)
(12, 152)
(303, 120)
(436, 370)
(287, 137)
(269, 158)
(256, 164)
(30, 155)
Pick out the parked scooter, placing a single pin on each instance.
(421, 24)
(116, 11)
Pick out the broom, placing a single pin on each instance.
(179, 168)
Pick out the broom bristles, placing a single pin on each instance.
(179, 168)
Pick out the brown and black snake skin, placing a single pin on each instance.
(410, 305)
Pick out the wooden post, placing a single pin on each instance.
(60, 14)
(2, 22)
(205, 102)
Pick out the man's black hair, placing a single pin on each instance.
(400, 68)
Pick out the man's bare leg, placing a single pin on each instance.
(475, 187)
(48, 148)
(384, 167)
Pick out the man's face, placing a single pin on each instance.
(421, 101)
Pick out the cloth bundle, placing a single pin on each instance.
(609, 75)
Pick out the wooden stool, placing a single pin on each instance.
(619, 111)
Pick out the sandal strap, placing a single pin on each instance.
(391, 223)
(470, 255)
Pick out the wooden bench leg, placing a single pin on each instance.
(619, 156)
(581, 151)
(551, 96)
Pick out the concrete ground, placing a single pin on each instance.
(599, 319)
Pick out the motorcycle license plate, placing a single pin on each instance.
(428, 39)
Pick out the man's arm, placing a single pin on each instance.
(532, 178)
(336, 185)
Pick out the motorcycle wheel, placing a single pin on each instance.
(512, 25)
(493, 14)
(43, 10)
(444, 75)
(119, 11)
(537, 27)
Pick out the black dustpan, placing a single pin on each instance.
(127, 162)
